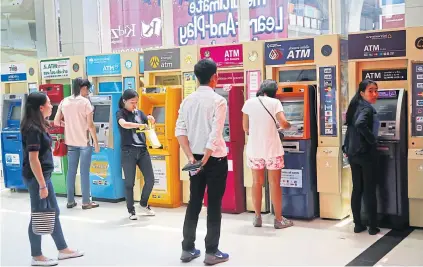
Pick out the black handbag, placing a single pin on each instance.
(43, 219)
(280, 131)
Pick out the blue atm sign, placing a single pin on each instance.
(11, 72)
(289, 52)
(103, 65)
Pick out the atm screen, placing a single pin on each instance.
(294, 111)
(101, 113)
(16, 113)
(159, 114)
(53, 113)
(386, 109)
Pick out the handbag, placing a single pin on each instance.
(280, 131)
(43, 219)
(151, 136)
(60, 148)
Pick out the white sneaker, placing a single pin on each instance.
(49, 262)
(133, 216)
(147, 211)
(75, 254)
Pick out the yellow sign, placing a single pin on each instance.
(190, 83)
(155, 62)
(99, 168)
(188, 59)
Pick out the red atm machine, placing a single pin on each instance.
(234, 198)
(56, 95)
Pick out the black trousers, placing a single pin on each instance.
(364, 178)
(131, 158)
(213, 175)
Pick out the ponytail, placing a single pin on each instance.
(127, 94)
(121, 104)
(352, 107)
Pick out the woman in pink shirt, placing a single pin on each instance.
(77, 112)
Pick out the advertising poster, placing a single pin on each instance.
(224, 56)
(190, 83)
(135, 25)
(377, 45)
(13, 72)
(417, 103)
(100, 170)
(159, 170)
(103, 65)
(289, 52)
(268, 19)
(55, 68)
(327, 88)
(253, 83)
(292, 178)
(129, 83)
(164, 59)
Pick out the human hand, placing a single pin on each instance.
(204, 160)
(43, 192)
(96, 148)
(191, 159)
(151, 119)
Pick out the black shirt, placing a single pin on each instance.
(130, 137)
(35, 140)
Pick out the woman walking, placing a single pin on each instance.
(360, 147)
(134, 151)
(37, 169)
(264, 148)
(77, 112)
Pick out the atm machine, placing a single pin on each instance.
(11, 140)
(299, 177)
(392, 188)
(56, 93)
(234, 198)
(162, 102)
(105, 170)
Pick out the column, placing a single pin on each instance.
(413, 13)
(79, 26)
(354, 16)
(167, 16)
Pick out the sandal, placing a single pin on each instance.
(92, 205)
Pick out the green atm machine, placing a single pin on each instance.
(56, 93)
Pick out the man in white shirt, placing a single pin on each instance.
(199, 130)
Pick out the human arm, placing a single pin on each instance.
(245, 123)
(362, 122)
(58, 119)
(280, 116)
(181, 133)
(127, 124)
(218, 122)
(33, 142)
(89, 111)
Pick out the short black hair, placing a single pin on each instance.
(204, 70)
(78, 83)
(268, 87)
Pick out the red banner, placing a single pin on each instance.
(224, 56)
(230, 78)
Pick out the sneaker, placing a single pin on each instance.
(188, 256)
(284, 223)
(147, 211)
(215, 258)
(257, 222)
(358, 228)
(71, 205)
(48, 262)
(75, 254)
(133, 216)
(373, 230)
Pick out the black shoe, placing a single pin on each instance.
(358, 228)
(373, 230)
(71, 205)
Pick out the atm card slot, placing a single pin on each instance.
(292, 147)
(12, 137)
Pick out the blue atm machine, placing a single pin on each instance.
(299, 177)
(106, 171)
(11, 140)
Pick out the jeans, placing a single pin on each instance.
(131, 158)
(364, 178)
(213, 175)
(37, 203)
(75, 155)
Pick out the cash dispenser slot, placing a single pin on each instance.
(12, 137)
(292, 147)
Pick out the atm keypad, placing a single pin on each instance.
(387, 128)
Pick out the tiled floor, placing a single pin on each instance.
(109, 238)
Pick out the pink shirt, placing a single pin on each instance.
(75, 111)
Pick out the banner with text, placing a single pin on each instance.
(289, 52)
(164, 59)
(13, 72)
(135, 25)
(55, 68)
(224, 56)
(268, 19)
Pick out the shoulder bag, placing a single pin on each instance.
(280, 131)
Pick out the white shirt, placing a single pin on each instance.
(201, 118)
(263, 139)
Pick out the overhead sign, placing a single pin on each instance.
(55, 68)
(289, 52)
(103, 65)
(230, 78)
(385, 75)
(393, 21)
(11, 72)
(327, 88)
(224, 56)
(377, 45)
(164, 59)
(417, 99)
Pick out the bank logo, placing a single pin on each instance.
(252, 56)
(207, 54)
(188, 59)
(419, 43)
(419, 119)
(275, 54)
(155, 62)
(128, 64)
